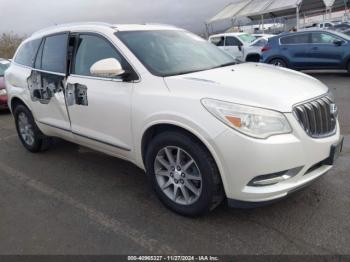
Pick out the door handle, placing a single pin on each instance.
(315, 48)
(76, 94)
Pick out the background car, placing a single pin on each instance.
(320, 49)
(253, 52)
(340, 27)
(4, 64)
(233, 43)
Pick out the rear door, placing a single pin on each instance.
(99, 107)
(324, 52)
(296, 49)
(47, 80)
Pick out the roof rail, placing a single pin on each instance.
(71, 24)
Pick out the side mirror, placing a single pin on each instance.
(240, 47)
(338, 42)
(109, 67)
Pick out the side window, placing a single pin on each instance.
(232, 41)
(91, 49)
(322, 38)
(27, 53)
(54, 55)
(296, 39)
(218, 41)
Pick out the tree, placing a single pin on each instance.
(9, 43)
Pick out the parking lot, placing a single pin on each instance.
(72, 200)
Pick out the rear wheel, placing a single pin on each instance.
(278, 62)
(28, 132)
(184, 174)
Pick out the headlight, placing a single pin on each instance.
(3, 92)
(252, 121)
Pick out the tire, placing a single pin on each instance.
(207, 181)
(348, 68)
(28, 132)
(278, 62)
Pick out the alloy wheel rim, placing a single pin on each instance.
(25, 129)
(178, 175)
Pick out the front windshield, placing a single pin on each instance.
(3, 67)
(247, 38)
(174, 52)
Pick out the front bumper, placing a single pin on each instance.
(243, 158)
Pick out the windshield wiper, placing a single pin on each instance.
(226, 64)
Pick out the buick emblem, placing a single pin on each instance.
(333, 109)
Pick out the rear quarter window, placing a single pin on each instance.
(27, 52)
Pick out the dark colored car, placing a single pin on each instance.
(4, 64)
(304, 50)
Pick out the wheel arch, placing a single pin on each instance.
(279, 57)
(253, 55)
(158, 128)
(17, 101)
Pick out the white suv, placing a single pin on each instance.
(175, 105)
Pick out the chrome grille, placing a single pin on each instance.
(318, 117)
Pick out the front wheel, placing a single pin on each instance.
(348, 68)
(278, 62)
(28, 132)
(184, 174)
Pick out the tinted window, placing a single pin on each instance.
(296, 39)
(322, 38)
(55, 53)
(27, 53)
(232, 41)
(218, 41)
(246, 38)
(92, 49)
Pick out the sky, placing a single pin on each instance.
(27, 16)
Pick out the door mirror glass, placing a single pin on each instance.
(109, 67)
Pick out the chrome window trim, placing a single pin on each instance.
(100, 78)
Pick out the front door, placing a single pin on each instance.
(99, 108)
(325, 52)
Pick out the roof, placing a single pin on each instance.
(255, 9)
(229, 34)
(101, 25)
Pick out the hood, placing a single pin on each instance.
(252, 84)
